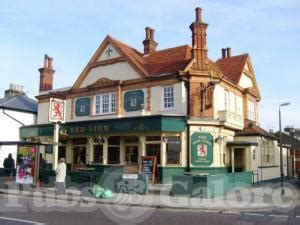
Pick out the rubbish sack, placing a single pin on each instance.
(108, 194)
(97, 191)
(100, 192)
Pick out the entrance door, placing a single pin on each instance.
(131, 159)
(239, 161)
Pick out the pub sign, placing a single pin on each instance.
(202, 149)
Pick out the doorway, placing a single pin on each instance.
(131, 159)
(239, 159)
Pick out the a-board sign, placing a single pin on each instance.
(149, 167)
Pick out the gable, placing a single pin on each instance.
(112, 60)
(245, 81)
(116, 71)
(109, 53)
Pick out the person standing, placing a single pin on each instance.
(61, 176)
(9, 165)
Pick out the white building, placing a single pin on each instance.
(16, 110)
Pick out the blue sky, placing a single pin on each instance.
(71, 30)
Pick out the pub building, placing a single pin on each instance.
(193, 113)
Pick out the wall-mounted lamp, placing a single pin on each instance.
(165, 139)
(99, 140)
(63, 132)
(219, 139)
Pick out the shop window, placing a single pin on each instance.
(131, 139)
(79, 154)
(113, 150)
(153, 138)
(168, 97)
(153, 150)
(173, 150)
(98, 153)
(113, 155)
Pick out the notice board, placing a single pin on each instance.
(149, 167)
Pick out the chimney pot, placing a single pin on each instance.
(223, 53)
(198, 14)
(152, 34)
(46, 74)
(228, 52)
(149, 43)
(148, 33)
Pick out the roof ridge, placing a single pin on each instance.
(167, 49)
(232, 57)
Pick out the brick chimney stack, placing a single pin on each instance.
(149, 43)
(46, 74)
(199, 52)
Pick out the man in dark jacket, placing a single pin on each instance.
(9, 165)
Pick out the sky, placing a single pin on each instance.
(70, 31)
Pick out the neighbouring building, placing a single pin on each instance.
(17, 110)
(193, 113)
(291, 138)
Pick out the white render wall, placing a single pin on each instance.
(118, 71)
(156, 106)
(245, 81)
(266, 172)
(235, 102)
(9, 130)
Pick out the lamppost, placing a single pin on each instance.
(280, 145)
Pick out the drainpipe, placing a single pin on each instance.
(3, 110)
(187, 86)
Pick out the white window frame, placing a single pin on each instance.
(251, 110)
(171, 97)
(105, 103)
(226, 100)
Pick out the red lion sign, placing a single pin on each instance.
(57, 110)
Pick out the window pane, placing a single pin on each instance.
(168, 97)
(153, 150)
(113, 155)
(173, 150)
(114, 140)
(153, 138)
(98, 153)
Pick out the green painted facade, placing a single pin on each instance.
(209, 186)
(123, 125)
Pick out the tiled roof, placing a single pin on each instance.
(159, 62)
(232, 67)
(253, 130)
(175, 59)
(20, 103)
(168, 60)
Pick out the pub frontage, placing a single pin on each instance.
(193, 114)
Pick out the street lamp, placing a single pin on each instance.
(280, 145)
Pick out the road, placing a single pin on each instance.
(16, 210)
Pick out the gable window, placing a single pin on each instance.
(168, 97)
(105, 103)
(251, 110)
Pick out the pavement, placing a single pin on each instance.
(259, 198)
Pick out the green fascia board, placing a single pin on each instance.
(133, 124)
(36, 131)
